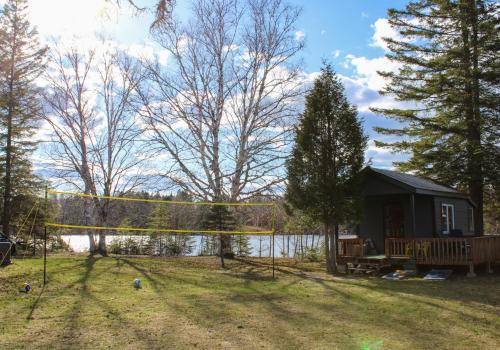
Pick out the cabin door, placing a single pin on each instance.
(394, 222)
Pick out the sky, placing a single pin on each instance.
(345, 33)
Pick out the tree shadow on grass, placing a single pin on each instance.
(461, 289)
(423, 293)
(70, 334)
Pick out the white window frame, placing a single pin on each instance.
(445, 213)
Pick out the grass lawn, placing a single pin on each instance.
(186, 303)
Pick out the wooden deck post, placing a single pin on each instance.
(471, 270)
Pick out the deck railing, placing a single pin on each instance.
(351, 247)
(445, 251)
(486, 248)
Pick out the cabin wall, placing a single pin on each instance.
(372, 222)
(424, 216)
(371, 225)
(461, 207)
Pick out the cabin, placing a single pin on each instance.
(413, 219)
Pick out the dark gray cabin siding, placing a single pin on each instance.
(424, 211)
(461, 214)
(420, 199)
(372, 223)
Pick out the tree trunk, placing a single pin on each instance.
(7, 180)
(283, 245)
(8, 161)
(103, 250)
(221, 250)
(327, 248)
(330, 247)
(288, 246)
(270, 245)
(87, 215)
(103, 216)
(260, 246)
(472, 112)
(334, 244)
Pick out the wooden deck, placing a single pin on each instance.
(462, 251)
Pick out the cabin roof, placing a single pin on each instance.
(417, 184)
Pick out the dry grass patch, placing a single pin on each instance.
(190, 303)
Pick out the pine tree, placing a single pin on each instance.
(21, 63)
(158, 220)
(448, 51)
(326, 159)
(241, 245)
(220, 218)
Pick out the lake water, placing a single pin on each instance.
(284, 245)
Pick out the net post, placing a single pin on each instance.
(45, 239)
(273, 229)
(273, 254)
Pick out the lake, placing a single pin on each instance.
(285, 245)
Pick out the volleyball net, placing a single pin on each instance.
(143, 213)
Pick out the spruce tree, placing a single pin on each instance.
(326, 159)
(242, 246)
(220, 218)
(448, 52)
(158, 220)
(21, 63)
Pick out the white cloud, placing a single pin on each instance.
(364, 14)
(72, 17)
(336, 53)
(300, 35)
(366, 70)
(382, 29)
(323, 32)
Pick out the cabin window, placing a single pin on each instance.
(447, 218)
(470, 220)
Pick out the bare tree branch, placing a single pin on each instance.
(224, 107)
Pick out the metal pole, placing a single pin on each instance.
(45, 256)
(273, 254)
(273, 230)
(45, 240)
(34, 243)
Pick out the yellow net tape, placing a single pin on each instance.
(52, 224)
(159, 230)
(161, 201)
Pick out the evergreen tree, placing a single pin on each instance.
(158, 220)
(21, 63)
(326, 159)
(165, 243)
(448, 52)
(241, 245)
(209, 245)
(220, 218)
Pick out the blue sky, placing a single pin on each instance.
(340, 25)
(345, 32)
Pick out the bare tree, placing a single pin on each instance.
(162, 9)
(223, 107)
(89, 106)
